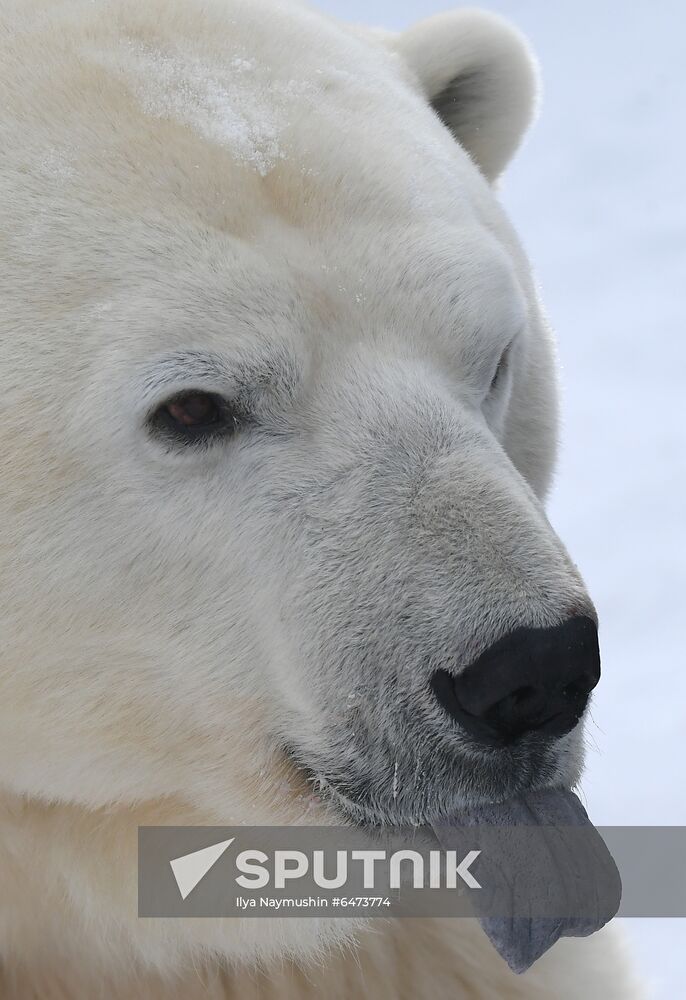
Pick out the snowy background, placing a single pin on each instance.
(598, 197)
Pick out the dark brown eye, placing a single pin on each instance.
(195, 409)
(497, 376)
(194, 416)
(500, 370)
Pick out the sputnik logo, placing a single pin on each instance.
(192, 868)
(258, 870)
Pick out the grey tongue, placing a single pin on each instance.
(544, 869)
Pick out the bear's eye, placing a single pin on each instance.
(194, 416)
(501, 369)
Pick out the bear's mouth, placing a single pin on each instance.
(541, 849)
(395, 793)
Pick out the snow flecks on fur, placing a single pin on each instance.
(57, 165)
(223, 103)
(220, 106)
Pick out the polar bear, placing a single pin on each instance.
(278, 421)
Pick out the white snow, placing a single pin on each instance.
(230, 100)
(57, 165)
(597, 195)
(216, 103)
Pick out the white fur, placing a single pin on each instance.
(194, 193)
(499, 80)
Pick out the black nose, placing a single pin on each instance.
(534, 679)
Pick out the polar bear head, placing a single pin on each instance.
(279, 416)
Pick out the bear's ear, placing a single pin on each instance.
(480, 78)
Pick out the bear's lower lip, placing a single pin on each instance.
(357, 807)
(374, 795)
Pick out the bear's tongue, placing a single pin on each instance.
(544, 869)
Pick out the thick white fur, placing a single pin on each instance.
(499, 77)
(247, 182)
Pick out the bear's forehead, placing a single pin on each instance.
(227, 110)
(242, 154)
(266, 83)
